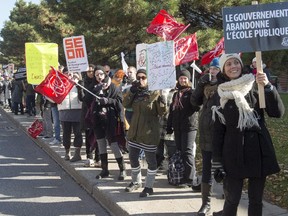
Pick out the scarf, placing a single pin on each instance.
(236, 90)
(177, 104)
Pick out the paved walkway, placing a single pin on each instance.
(168, 200)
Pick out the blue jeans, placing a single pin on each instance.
(56, 122)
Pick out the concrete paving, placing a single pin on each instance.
(167, 200)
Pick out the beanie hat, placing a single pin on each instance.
(215, 63)
(141, 71)
(185, 73)
(224, 57)
(99, 67)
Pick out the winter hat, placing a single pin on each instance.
(215, 63)
(99, 67)
(141, 71)
(185, 73)
(224, 57)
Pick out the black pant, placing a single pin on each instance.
(67, 131)
(206, 166)
(233, 190)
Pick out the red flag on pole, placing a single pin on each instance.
(186, 49)
(55, 86)
(165, 26)
(215, 52)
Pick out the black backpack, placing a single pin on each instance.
(175, 169)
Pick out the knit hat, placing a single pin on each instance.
(225, 57)
(99, 67)
(141, 71)
(215, 63)
(185, 73)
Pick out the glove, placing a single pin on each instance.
(169, 130)
(134, 87)
(103, 101)
(217, 171)
(206, 78)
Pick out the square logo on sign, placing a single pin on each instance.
(74, 48)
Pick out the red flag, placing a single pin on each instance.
(186, 49)
(215, 52)
(165, 26)
(55, 86)
(35, 128)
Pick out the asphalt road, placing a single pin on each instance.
(31, 183)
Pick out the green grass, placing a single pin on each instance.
(276, 190)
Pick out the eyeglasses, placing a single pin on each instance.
(141, 77)
(90, 71)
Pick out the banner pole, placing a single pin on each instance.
(259, 67)
(87, 90)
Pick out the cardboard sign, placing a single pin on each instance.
(39, 58)
(253, 28)
(141, 56)
(75, 53)
(160, 65)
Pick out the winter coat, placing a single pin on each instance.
(202, 96)
(247, 153)
(109, 116)
(185, 119)
(17, 91)
(147, 108)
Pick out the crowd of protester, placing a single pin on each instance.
(118, 111)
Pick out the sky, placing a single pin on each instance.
(6, 8)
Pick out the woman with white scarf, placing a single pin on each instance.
(242, 146)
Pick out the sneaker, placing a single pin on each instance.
(97, 164)
(146, 192)
(133, 186)
(54, 142)
(89, 163)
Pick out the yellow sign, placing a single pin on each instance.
(39, 58)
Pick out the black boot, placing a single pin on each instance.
(206, 199)
(220, 213)
(122, 168)
(104, 165)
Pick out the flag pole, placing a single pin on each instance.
(86, 90)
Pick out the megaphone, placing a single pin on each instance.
(195, 67)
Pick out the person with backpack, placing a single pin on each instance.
(183, 121)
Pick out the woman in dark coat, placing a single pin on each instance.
(242, 146)
(108, 121)
(183, 120)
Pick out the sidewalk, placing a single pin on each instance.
(167, 200)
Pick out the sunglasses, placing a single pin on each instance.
(141, 77)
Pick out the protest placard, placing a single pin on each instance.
(160, 65)
(75, 53)
(252, 28)
(39, 58)
(141, 56)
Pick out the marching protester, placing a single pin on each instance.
(143, 133)
(70, 117)
(203, 96)
(86, 124)
(183, 121)
(109, 118)
(242, 146)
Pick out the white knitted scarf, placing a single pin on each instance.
(236, 90)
